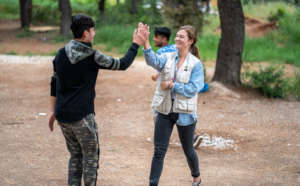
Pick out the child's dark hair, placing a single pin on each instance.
(80, 23)
(164, 31)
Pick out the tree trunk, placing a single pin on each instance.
(153, 5)
(66, 16)
(101, 6)
(207, 6)
(134, 9)
(229, 59)
(25, 13)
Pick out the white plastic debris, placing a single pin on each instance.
(217, 142)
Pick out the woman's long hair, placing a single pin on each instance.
(192, 34)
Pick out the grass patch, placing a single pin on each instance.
(264, 10)
(271, 81)
(53, 53)
(280, 46)
(29, 54)
(115, 36)
(295, 85)
(9, 9)
(25, 33)
(268, 49)
(208, 46)
(11, 53)
(56, 38)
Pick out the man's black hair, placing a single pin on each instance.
(80, 23)
(164, 31)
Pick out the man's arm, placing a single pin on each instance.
(106, 62)
(110, 63)
(52, 116)
(52, 98)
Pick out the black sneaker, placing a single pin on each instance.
(197, 141)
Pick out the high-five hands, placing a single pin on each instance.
(144, 30)
(141, 34)
(137, 38)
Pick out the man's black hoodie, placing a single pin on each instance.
(75, 73)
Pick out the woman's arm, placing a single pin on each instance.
(156, 61)
(152, 59)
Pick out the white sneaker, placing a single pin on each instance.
(197, 141)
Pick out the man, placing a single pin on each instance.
(72, 96)
(161, 39)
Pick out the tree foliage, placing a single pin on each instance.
(182, 12)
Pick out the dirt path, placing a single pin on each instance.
(265, 133)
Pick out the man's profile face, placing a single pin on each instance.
(92, 34)
(158, 40)
(89, 36)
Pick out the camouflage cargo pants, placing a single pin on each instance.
(82, 143)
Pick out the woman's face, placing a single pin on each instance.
(182, 40)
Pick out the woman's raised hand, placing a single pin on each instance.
(141, 34)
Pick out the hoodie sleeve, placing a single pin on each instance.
(107, 62)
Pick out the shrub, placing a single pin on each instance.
(25, 33)
(277, 15)
(179, 13)
(296, 85)
(46, 12)
(269, 80)
(11, 53)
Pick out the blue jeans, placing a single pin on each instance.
(163, 129)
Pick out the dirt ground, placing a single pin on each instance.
(265, 132)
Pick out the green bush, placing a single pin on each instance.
(46, 12)
(289, 26)
(120, 15)
(115, 36)
(11, 53)
(9, 9)
(281, 45)
(270, 81)
(208, 46)
(296, 85)
(25, 33)
(277, 15)
(178, 13)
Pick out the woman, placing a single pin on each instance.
(175, 98)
